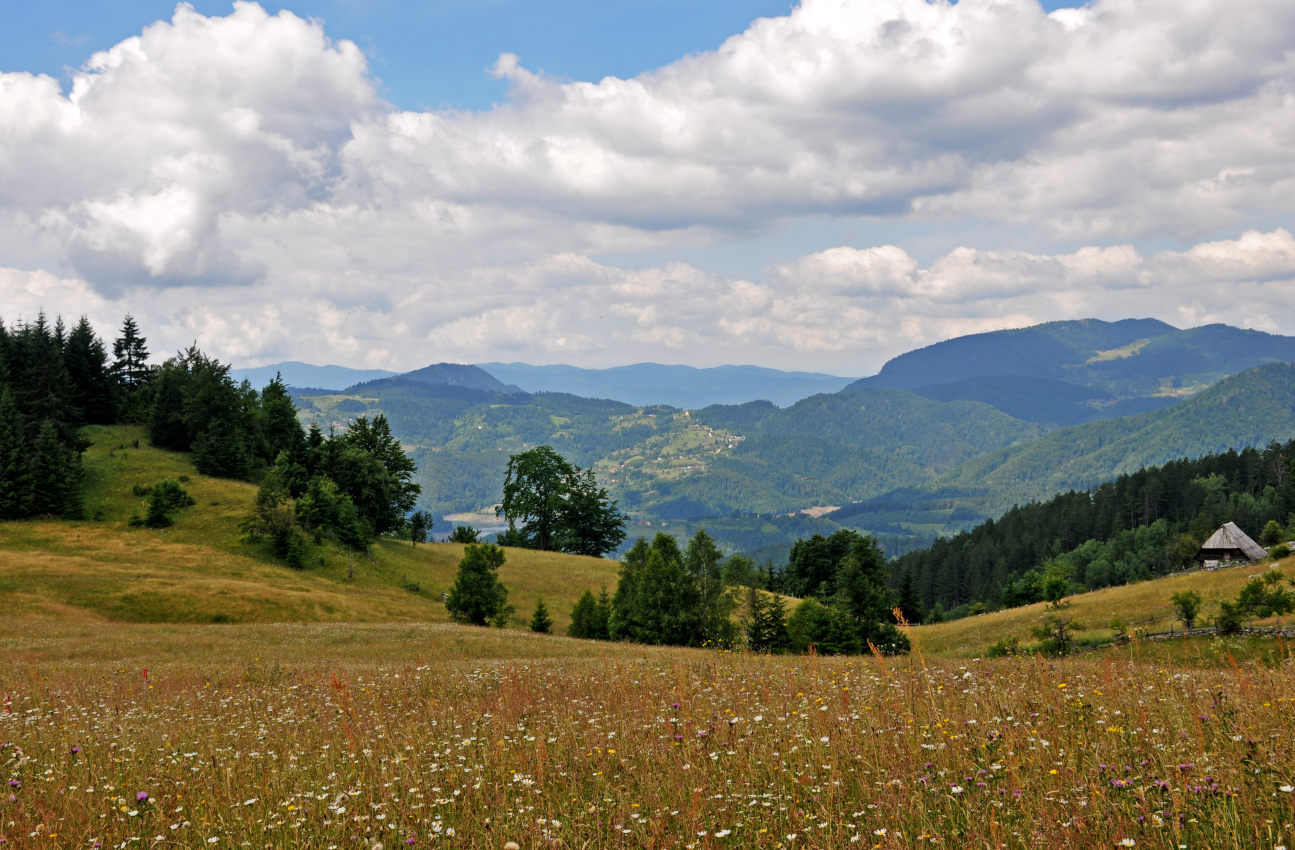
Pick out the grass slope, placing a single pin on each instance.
(1144, 606)
(202, 571)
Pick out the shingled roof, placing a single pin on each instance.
(1230, 543)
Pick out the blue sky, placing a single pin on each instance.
(819, 185)
(429, 55)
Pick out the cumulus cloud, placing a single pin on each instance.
(845, 309)
(240, 176)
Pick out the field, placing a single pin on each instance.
(424, 735)
(202, 570)
(176, 688)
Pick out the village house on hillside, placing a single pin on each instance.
(1229, 545)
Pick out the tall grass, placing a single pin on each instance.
(318, 736)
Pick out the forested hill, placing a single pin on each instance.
(669, 464)
(1248, 409)
(904, 464)
(1139, 525)
(1066, 373)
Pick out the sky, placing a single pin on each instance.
(818, 185)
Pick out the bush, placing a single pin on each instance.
(1281, 550)
(464, 534)
(165, 499)
(1004, 648)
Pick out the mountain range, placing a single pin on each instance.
(940, 438)
(684, 387)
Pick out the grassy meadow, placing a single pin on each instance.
(322, 735)
(176, 688)
(201, 570)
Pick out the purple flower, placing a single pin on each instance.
(75, 749)
(141, 797)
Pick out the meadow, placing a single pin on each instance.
(176, 688)
(327, 735)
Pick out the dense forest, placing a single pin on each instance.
(1143, 524)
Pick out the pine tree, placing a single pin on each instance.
(220, 451)
(909, 603)
(582, 616)
(94, 391)
(130, 354)
(541, 621)
(56, 476)
(280, 428)
(477, 596)
(15, 460)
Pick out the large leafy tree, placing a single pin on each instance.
(590, 522)
(370, 466)
(536, 484)
(553, 505)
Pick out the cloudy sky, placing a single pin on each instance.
(381, 183)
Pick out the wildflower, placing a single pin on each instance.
(1286, 788)
(957, 789)
(141, 797)
(1127, 842)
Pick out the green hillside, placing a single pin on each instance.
(201, 570)
(674, 466)
(1252, 408)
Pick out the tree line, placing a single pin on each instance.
(1140, 525)
(53, 381)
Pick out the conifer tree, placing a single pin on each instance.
(94, 391)
(541, 621)
(477, 596)
(56, 476)
(130, 353)
(15, 460)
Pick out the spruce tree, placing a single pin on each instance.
(583, 614)
(56, 476)
(15, 460)
(130, 353)
(541, 621)
(280, 428)
(477, 596)
(94, 390)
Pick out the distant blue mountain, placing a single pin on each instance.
(444, 375)
(684, 387)
(297, 374)
(1067, 373)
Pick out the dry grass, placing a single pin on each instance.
(317, 736)
(201, 569)
(1144, 606)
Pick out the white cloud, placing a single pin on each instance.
(238, 179)
(824, 310)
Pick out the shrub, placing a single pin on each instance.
(165, 499)
(1004, 648)
(464, 534)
